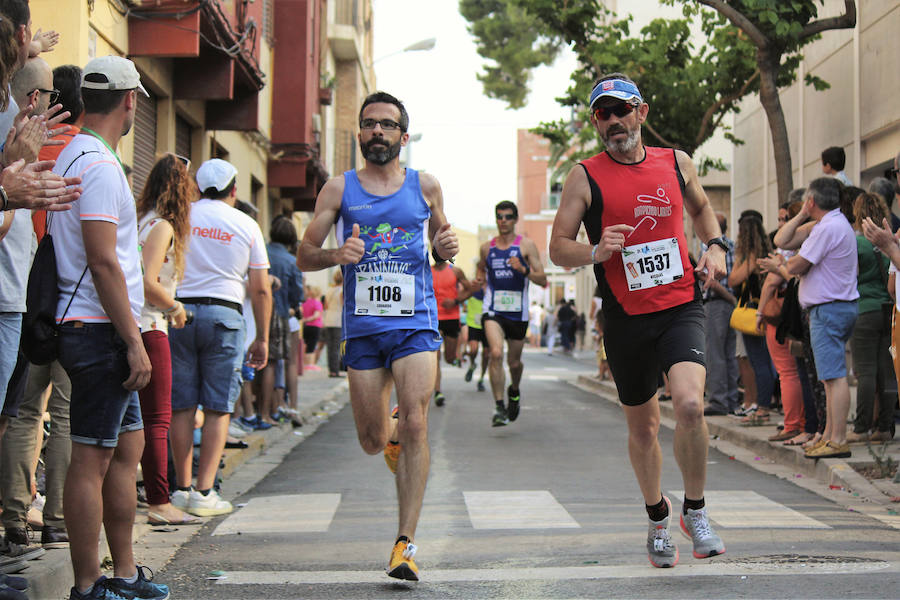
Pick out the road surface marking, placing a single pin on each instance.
(517, 510)
(745, 509)
(282, 514)
(684, 569)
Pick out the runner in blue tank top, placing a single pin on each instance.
(508, 262)
(384, 218)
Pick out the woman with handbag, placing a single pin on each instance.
(876, 385)
(746, 279)
(771, 302)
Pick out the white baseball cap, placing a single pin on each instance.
(120, 74)
(215, 173)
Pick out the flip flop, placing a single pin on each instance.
(156, 519)
(795, 442)
(755, 420)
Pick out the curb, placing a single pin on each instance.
(835, 474)
(51, 576)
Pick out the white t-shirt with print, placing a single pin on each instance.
(224, 244)
(105, 197)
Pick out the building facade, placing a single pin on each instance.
(859, 112)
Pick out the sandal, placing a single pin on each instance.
(756, 419)
(798, 440)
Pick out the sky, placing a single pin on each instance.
(468, 140)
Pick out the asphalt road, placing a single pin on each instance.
(544, 508)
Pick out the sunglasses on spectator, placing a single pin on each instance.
(506, 217)
(386, 124)
(54, 94)
(893, 172)
(623, 109)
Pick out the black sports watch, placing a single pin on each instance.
(717, 241)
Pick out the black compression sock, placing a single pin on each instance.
(692, 504)
(402, 538)
(659, 511)
(205, 492)
(183, 489)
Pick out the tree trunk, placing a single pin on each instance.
(781, 145)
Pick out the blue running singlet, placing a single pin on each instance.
(390, 287)
(506, 293)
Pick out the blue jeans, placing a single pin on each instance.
(830, 326)
(763, 370)
(721, 363)
(10, 332)
(207, 355)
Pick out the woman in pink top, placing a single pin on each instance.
(312, 324)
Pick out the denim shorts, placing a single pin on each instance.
(379, 351)
(207, 355)
(96, 361)
(830, 326)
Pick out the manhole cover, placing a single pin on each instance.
(806, 562)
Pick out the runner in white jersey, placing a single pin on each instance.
(384, 216)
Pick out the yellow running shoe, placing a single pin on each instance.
(402, 565)
(392, 449)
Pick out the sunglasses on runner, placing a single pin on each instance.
(623, 109)
(506, 217)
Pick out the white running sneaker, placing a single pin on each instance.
(695, 525)
(180, 499)
(661, 550)
(209, 505)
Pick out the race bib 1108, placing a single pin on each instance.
(385, 294)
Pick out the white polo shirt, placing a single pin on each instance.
(105, 197)
(224, 244)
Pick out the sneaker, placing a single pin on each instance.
(17, 552)
(11, 593)
(469, 372)
(260, 425)
(247, 424)
(512, 407)
(235, 431)
(480, 385)
(402, 565)
(143, 588)
(500, 418)
(439, 398)
(745, 411)
(16, 583)
(392, 448)
(209, 505)
(661, 550)
(11, 565)
(100, 591)
(180, 499)
(695, 525)
(54, 537)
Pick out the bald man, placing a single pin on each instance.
(33, 84)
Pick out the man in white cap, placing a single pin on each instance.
(207, 354)
(631, 199)
(100, 347)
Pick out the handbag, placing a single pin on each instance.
(743, 317)
(771, 312)
(791, 325)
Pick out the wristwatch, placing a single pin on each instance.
(717, 241)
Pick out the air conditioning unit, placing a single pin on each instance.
(317, 122)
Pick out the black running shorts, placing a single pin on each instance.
(639, 347)
(449, 327)
(512, 330)
(476, 334)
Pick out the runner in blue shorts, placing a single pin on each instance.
(384, 217)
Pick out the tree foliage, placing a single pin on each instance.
(690, 89)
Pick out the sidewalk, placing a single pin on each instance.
(50, 577)
(835, 479)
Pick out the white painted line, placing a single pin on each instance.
(544, 377)
(282, 514)
(714, 569)
(517, 510)
(745, 509)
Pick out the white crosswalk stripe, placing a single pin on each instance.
(516, 510)
(745, 509)
(285, 514)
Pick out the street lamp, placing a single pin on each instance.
(421, 45)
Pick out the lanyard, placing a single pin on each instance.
(96, 135)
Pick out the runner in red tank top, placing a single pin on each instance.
(631, 200)
(451, 288)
